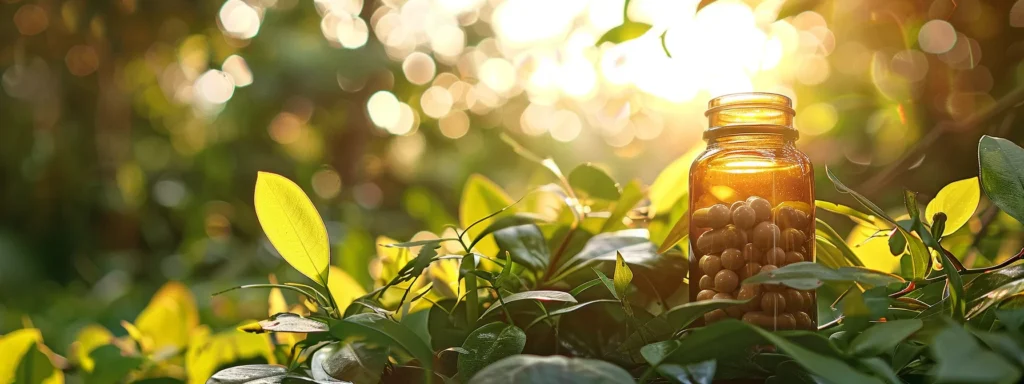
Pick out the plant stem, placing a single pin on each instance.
(561, 250)
(472, 300)
(912, 286)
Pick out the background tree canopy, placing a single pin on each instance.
(132, 132)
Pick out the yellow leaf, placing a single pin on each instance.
(958, 200)
(874, 252)
(481, 197)
(89, 338)
(15, 346)
(206, 353)
(343, 288)
(293, 225)
(168, 319)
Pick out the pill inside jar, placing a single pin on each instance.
(751, 208)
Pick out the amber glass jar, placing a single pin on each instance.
(751, 210)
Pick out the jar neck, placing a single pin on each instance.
(759, 140)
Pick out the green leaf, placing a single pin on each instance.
(517, 219)
(590, 181)
(293, 225)
(608, 283)
(883, 337)
(855, 215)
(1002, 176)
(825, 232)
(622, 276)
(22, 362)
(633, 244)
(960, 358)
(380, 327)
(881, 368)
(987, 282)
(953, 278)
(1012, 319)
(632, 193)
(897, 243)
(356, 362)
(571, 308)
(542, 296)
(526, 245)
(700, 373)
(679, 231)
(835, 370)
(488, 344)
(111, 366)
(958, 200)
(809, 275)
(35, 368)
(253, 373)
(446, 323)
(286, 322)
(919, 261)
(672, 183)
(480, 198)
(624, 32)
(996, 296)
(551, 370)
(662, 326)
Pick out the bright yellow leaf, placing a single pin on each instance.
(874, 252)
(13, 348)
(958, 200)
(481, 197)
(293, 225)
(89, 338)
(166, 322)
(208, 352)
(343, 288)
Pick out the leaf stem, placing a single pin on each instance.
(561, 250)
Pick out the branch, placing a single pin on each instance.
(883, 177)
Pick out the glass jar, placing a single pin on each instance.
(751, 211)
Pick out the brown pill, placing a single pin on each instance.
(736, 204)
(793, 239)
(762, 208)
(766, 235)
(773, 302)
(802, 219)
(732, 259)
(744, 217)
(733, 237)
(775, 256)
(794, 300)
(710, 264)
(751, 254)
(726, 281)
(752, 292)
(705, 294)
(710, 242)
(794, 257)
(784, 216)
(809, 301)
(706, 282)
(768, 268)
(715, 316)
(803, 321)
(733, 311)
(718, 215)
(759, 319)
(750, 269)
(700, 218)
(785, 321)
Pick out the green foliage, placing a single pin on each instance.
(446, 308)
